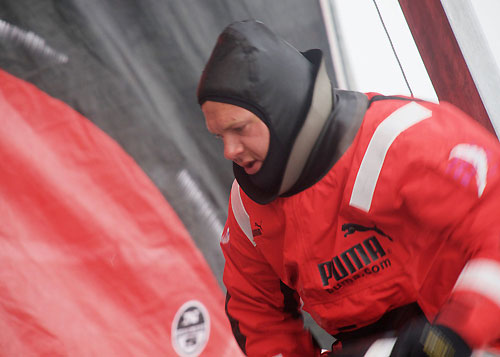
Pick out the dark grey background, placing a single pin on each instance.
(132, 67)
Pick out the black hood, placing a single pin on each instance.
(291, 93)
(252, 68)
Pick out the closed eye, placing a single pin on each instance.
(239, 129)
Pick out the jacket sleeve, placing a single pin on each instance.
(263, 312)
(473, 310)
(457, 192)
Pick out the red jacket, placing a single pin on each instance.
(409, 208)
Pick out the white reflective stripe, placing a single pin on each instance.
(382, 139)
(240, 213)
(481, 276)
(381, 348)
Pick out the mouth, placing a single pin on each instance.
(251, 167)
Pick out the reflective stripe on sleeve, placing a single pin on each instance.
(382, 139)
(240, 213)
(381, 347)
(481, 276)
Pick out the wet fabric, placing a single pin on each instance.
(341, 246)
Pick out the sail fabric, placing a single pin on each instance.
(93, 260)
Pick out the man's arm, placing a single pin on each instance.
(473, 310)
(460, 195)
(263, 311)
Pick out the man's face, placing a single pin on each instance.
(245, 136)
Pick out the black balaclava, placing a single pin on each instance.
(254, 69)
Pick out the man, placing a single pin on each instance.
(377, 215)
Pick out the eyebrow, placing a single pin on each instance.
(235, 123)
(228, 127)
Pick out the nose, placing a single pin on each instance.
(232, 148)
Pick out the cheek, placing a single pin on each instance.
(258, 141)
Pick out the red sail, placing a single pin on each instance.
(94, 261)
